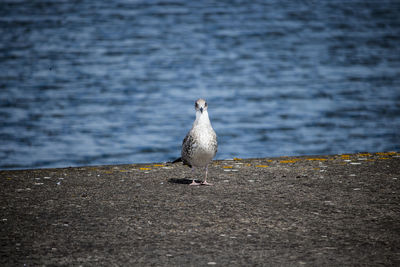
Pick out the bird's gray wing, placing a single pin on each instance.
(187, 146)
(215, 144)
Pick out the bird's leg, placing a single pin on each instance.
(205, 179)
(193, 181)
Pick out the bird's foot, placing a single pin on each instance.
(194, 183)
(205, 183)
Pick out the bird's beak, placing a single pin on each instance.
(201, 110)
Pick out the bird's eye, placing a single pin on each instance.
(205, 104)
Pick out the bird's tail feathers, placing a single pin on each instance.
(180, 160)
(177, 160)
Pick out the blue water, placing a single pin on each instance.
(107, 82)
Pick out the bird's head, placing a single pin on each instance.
(200, 105)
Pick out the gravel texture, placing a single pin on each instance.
(340, 210)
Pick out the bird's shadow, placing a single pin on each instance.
(181, 181)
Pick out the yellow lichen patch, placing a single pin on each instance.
(262, 166)
(144, 169)
(248, 165)
(289, 161)
(345, 156)
(386, 153)
(123, 171)
(108, 172)
(158, 165)
(237, 159)
(317, 159)
(383, 158)
(227, 167)
(269, 160)
(364, 155)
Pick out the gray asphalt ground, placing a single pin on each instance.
(341, 210)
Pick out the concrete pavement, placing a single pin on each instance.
(340, 210)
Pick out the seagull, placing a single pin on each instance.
(200, 144)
